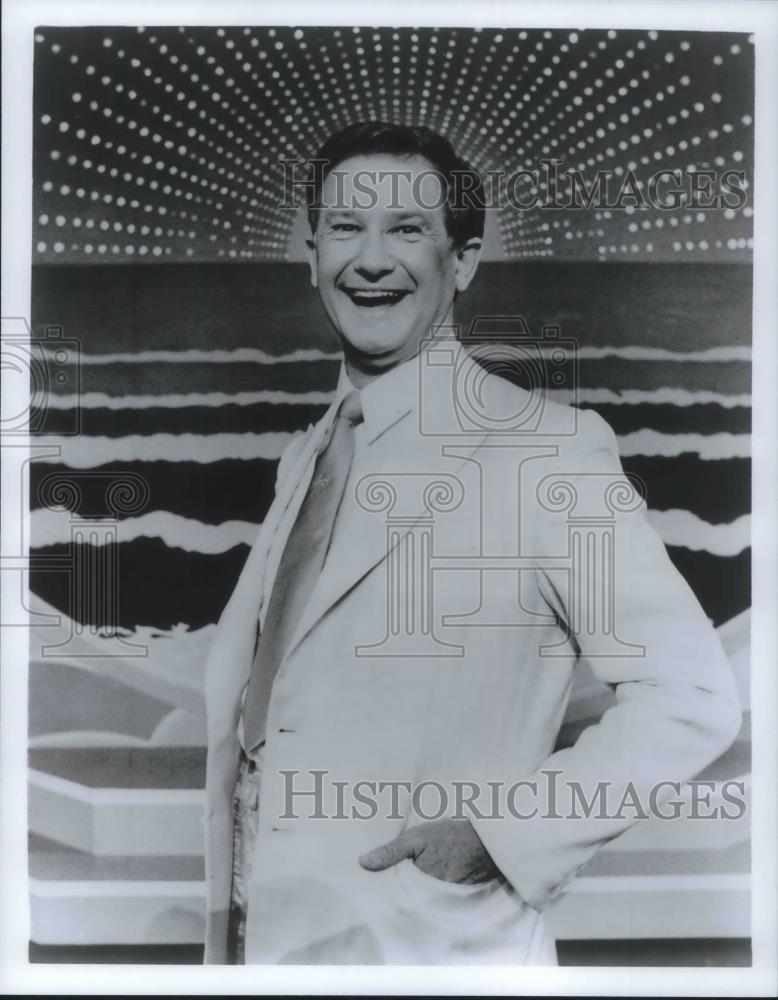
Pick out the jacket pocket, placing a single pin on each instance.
(455, 904)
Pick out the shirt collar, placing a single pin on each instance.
(385, 400)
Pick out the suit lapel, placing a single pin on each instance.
(362, 540)
(289, 497)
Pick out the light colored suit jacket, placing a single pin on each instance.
(469, 572)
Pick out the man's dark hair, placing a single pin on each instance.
(463, 186)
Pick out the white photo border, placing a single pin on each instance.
(16, 974)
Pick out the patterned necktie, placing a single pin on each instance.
(301, 564)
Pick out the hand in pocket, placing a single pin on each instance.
(446, 849)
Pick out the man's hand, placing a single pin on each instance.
(447, 849)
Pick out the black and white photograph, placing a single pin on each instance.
(388, 552)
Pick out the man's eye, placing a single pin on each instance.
(344, 227)
(409, 230)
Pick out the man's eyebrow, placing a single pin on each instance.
(330, 213)
(410, 213)
(336, 210)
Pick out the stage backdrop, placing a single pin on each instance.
(196, 375)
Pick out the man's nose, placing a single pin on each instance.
(374, 260)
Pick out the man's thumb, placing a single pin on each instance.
(389, 854)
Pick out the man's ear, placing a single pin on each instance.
(310, 253)
(468, 257)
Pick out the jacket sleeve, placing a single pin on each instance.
(631, 614)
(226, 675)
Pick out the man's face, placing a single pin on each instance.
(382, 259)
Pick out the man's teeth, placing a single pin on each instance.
(375, 295)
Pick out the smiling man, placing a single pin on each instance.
(387, 253)
(373, 679)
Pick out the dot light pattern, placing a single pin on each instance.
(164, 143)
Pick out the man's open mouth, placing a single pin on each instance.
(372, 297)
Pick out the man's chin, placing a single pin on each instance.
(374, 349)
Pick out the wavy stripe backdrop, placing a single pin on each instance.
(204, 424)
(186, 345)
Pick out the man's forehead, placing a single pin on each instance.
(399, 183)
